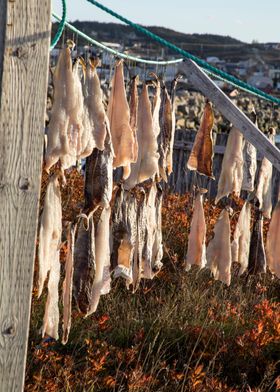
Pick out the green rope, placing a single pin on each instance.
(209, 68)
(60, 27)
(113, 51)
(137, 59)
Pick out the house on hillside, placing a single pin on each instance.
(261, 81)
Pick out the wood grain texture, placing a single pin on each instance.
(208, 88)
(24, 54)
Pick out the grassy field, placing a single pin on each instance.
(182, 331)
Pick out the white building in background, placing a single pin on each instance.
(260, 81)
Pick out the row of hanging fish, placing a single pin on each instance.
(118, 231)
(247, 248)
(239, 172)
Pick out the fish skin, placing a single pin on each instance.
(147, 162)
(250, 161)
(84, 265)
(166, 131)
(99, 177)
(257, 257)
(196, 253)
(68, 282)
(240, 245)
(102, 257)
(273, 242)
(119, 117)
(231, 176)
(264, 184)
(201, 156)
(218, 252)
(48, 254)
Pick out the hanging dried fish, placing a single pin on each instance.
(124, 233)
(169, 153)
(147, 162)
(201, 156)
(66, 132)
(166, 132)
(141, 226)
(196, 253)
(99, 177)
(156, 105)
(231, 176)
(133, 107)
(102, 258)
(119, 116)
(264, 183)
(218, 253)
(241, 238)
(68, 282)
(250, 161)
(48, 254)
(257, 257)
(84, 264)
(93, 98)
(157, 253)
(273, 242)
(150, 226)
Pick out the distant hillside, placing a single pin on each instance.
(203, 45)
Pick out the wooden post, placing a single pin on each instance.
(208, 88)
(24, 58)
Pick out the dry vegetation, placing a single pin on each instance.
(180, 332)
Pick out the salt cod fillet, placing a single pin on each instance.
(133, 107)
(257, 257)
(273, 242)
(94, 104)
(124, 233)
(231, 176)
(66, 127)
(250, 161)
(218, 253)
(169, 155)
(196, 253)
(152, 244)
(49, 246)
(119, 116)
(141, 225)
(84, 264)
(99, 176)
(201, 156)
(264, 184)
(241, 238)
(147, 162)
(166, 120)
(68, 282)
(156, 107)
(102, 257)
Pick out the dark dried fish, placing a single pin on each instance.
(257, 257)
(84, 264)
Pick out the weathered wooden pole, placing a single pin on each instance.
(24, 58)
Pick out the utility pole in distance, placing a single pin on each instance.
(24, 58)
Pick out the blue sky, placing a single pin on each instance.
(242, 19)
